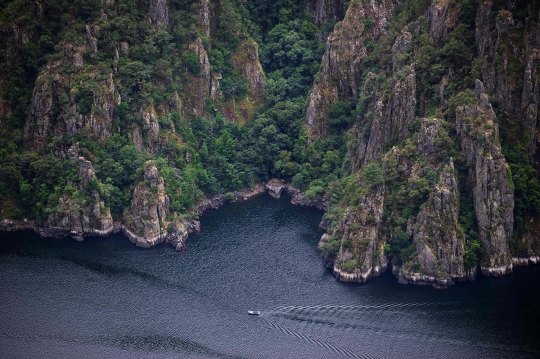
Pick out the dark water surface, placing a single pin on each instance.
(105, 298)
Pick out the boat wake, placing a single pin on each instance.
(350, 330)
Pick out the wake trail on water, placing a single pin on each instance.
(395, 325)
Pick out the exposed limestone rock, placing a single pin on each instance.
(246, 62)
(361, 242)
(402, 105)
(78, 60)
(274, 188)
(204, 17)
(92, 34)
(78, 219)
(499, 47)
(199, 85)
(493, 197)
(428, 134)
(214, 90)
(440, 249)
(55, 86)
(159, 12)
(37, 124)
(526, 248)
(441, 18)
(389, 118)
(401, 45)
(150, 121)
(341, 66)
(144, 224)
(136, 138)
(324, 11)
(148, 221)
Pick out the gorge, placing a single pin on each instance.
(412, 123)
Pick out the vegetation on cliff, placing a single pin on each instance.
(415, 120)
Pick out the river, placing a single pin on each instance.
(105, 298)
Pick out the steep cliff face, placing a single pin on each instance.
(80, 212)
(144, 224)
(341, 66)
(493, 196)
(148, 221)
(63, 104)
(361, 252)
(436, 237)
(388, 117)
(199, 84)
(324, 11)
(508, 49)
(159, 12)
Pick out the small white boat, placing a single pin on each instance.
(254, 312)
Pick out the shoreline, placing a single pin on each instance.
(181, 228)
(274, 188)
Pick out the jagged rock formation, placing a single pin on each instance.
(159, 12)
(503, 56)
(324, 11)
(493, 197)
(341, 66)
(76, 218)
(144, 224)
(63, 105)
(436, 236)
(148, 222)
(361, 253)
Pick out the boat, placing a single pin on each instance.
(254, 312)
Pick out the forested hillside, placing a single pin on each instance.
(413, 123)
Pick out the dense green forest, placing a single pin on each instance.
(127, 82)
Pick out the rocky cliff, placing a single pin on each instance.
(429, 237)
(493, 197)
(412, 124)
(342, 63)
(77, 216)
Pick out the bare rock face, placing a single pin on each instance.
(527, 249)
(77, 218)
(341, 66)
(428, 135)
(441, 18)
(144, 224)
(324, 11)
(361, 255)
(493, 196)
(274, 188)
(439, 247)
(499, 47)
(159, 12)
(199, 85)
(55, 87)
(150, 121)
(389, 117)
(402, 104)
(401, 45)
(246, 62)
(205, 17)
(92, 35)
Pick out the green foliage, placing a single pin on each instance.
(350, 265)
(192, 63)
(400, 248)
(372, 174)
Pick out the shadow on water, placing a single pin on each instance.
(257, 255)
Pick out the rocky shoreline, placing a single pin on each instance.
(179, 230)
